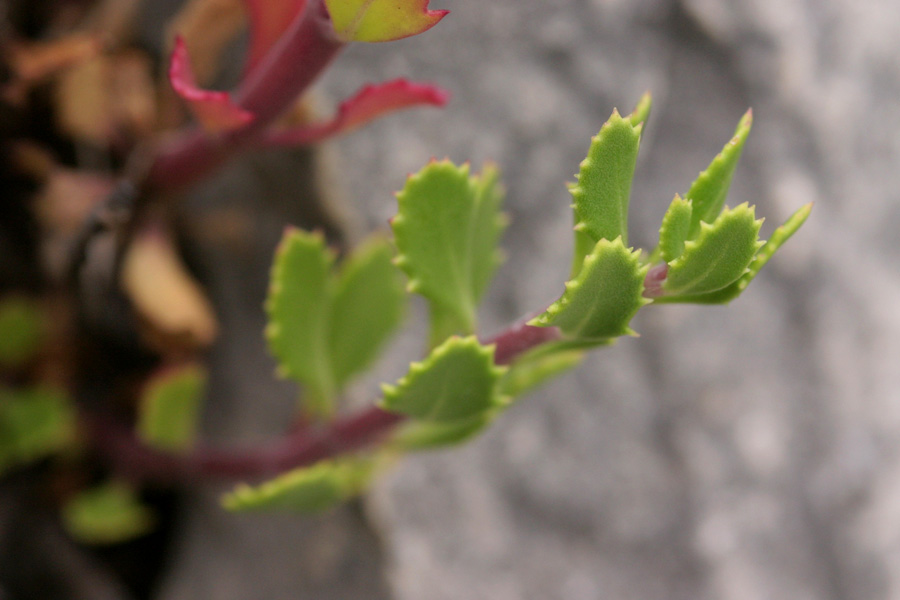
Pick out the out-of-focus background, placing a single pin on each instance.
(729, 453)
(744, 452)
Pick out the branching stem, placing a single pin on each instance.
(304, 446)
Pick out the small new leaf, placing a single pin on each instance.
(458, 381)
(307, 489)
(708, 192)
(641, 111)
(446, 229)
(381, 20)
(676, 225)
(170, 408)
(718, 256)
(604, 182)
(107, 514)
(600, 302)
(732, 291)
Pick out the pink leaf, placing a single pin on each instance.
(214, 110)
(369, 103)
(269, 19)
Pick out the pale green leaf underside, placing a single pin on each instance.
(34, 422)
(718, 256)
(326, 326)
(429, 435)
(732, 291)
(298, 309)
(708, 192)
(107, 514)
(600, 302)
(21, 331)
(446, 229)
(602, 190)
(368, 305)
(676, 225)
(307, 489)
(170, 408)
(457, 381)
(531, 371)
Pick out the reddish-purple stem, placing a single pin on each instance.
(292, 65)
(302, 447)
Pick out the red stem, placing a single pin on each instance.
(139, 462)
(292, 65)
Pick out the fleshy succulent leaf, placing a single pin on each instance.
(269, 19)
(381, 20)
(446, 229)
(34, 423)
(676, 225)
(367, 307)
(718, 256)
(170, 408)
(215, 111)
(107, 514)
(602, 191)
(299, 313)
(707, 193)
(370, 103)
(599, 303)
(307, 489)
(732, 291)
(21, 331)
(457, 382)
(429, 435)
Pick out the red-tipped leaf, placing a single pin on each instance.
(369, 103)
(215, 111)
(381, 20)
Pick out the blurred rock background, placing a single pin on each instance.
(744, 452)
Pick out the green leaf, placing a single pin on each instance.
(381, 20)
(708, 192)
(641, 111)
(307, 489)
(675, 227)
(429, 435)
(732, 291)
(170, 408)
(34, 423)
(604, 182)
(298, 307)
(458, 381)
(325, 327)
(530, 371)
(599, 303)
(107, 514)
(368, 305)
(447, 228)
(718, 256)
(21, 331)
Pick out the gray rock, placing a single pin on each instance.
(733, 453)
